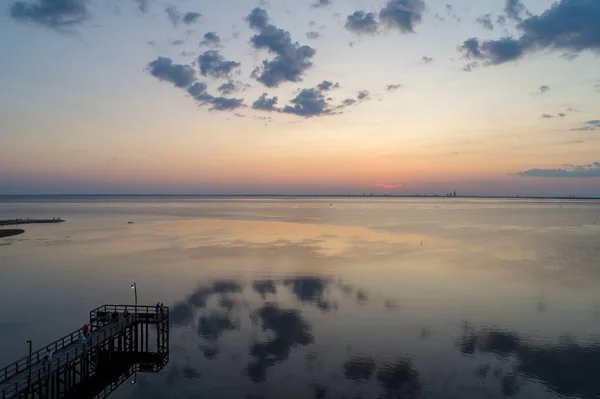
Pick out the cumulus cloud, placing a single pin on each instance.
(589, 170)
(191, 17)
(492, 52)
(164, 69)
(361, 22)
(199, 93)
(402, 14)
(213, 64)
(569, 26)
(313, 35)
(544, 89)
(173, 15)
(427, 60)
(515, 9)
(258, 18)
(321, 3)
(328, 85)
(291, 60)
(210, 39)
(184, 76)
(308, 103)
(363, 95)
(589, 125)
(230, 87)
(486, 21)
(393, 87)
(54, 14)
(264, 103)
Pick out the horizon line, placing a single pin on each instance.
(309, 195)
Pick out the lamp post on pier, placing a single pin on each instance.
(134, 288)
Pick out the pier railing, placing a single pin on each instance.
(22, 364)
(64, 359)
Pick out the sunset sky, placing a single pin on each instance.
(491, 97)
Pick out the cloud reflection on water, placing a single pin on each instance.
(566, 367)
(279, 327)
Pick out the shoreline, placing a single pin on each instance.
(16, 222)
(11, 232)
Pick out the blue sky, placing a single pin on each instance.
(403, 96)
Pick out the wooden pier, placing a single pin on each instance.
(125, 339)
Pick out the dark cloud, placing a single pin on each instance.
(258, 18)
(308, 103)
(362, 23)
(547, 116)
(226, 104)
(570, 26)
(393, 87)
(178, 42)
(492, 52)
(321, 3)
(213, 64)
(328, 85)
(470, 66)
(191, 17)
(589, 170)
(427, 60)
(470, 48)
(562, 115)
(363, 95)
(54, 14)
(313, 35)
(173, 14)
(265, 103)
(402, 14)
(210, 39)
(348, 102)
(486, 21)
(589, 125)
(544, 89)
(164, 69)
(515, 9)
(291, 59)
(230, 87)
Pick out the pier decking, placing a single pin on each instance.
(117, 349)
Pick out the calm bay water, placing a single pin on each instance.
(297, 298)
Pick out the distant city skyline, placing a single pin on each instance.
(498, 98)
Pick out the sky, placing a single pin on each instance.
(498, 97)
